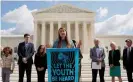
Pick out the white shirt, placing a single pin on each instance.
(98, 52)
(128, 51)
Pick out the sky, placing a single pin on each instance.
(112, 17)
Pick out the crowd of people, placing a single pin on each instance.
(26, 51)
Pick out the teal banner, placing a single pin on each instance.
(63, 64)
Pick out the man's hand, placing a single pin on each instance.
(24, 60)
(98, 63)
(100, 60)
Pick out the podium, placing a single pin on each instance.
(63, 64)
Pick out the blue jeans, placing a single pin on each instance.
(6, 74)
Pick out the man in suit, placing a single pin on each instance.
(128, 59)
(25, 53)
(97, 55)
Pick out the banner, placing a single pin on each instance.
(63, 64)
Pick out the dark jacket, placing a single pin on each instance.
(40, 61)
(114, 58)
(128, 63)
(22, 52)
(80, 54)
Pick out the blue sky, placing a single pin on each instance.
(113, 7)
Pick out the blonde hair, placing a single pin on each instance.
(113, 43)
(96, 39)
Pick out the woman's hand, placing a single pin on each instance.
(48, 45)
(42, 68)
(79, 44)
(39, 69)
(111, 65)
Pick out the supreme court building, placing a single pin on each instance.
(79, 24)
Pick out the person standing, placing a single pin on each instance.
(8, 64)
(128, 59)
(41, 63)
(63, 42)
(80, 56)
(97, 55)
(25, 53)
(114, 57)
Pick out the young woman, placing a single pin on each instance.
(114, 57)
(63, 42)
(8, 64)
(41, 63)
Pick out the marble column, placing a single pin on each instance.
(68, 30)
(77, 31)
(35, 34)
(51, 32)
(84, 36)
(43, 32)
(92, 33)
(59, 24)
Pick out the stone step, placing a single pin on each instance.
(83, 66)
(82, 72)
(86, 74)
(82, 79)
(82, 75)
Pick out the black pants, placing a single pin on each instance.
(22, 69)
(101, 73)
(79, 72)
(129, 75)
(41, 75)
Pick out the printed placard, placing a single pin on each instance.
(62, 64)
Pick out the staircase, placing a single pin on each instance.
(86, 73)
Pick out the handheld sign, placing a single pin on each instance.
(62, 64)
